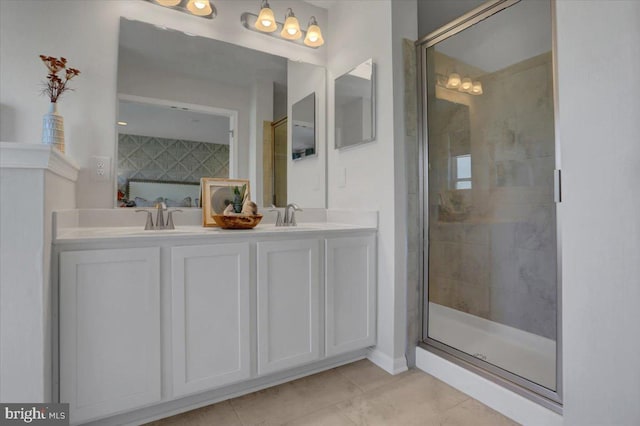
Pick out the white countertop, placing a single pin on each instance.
(137, 233)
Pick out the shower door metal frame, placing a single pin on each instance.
(524, 387)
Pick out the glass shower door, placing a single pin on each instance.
(491, 249)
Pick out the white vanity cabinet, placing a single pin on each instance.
(109, 331)
(288, 282)
(350, 302)
(210, 316)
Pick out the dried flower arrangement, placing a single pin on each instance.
(55, 86)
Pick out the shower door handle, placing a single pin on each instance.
(557, 186)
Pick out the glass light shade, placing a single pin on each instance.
(291, 27)
(199, 7)
(314, 35)
(476, 88)
(168, 3)
(266, 22)
(466, 85)
(454, 81)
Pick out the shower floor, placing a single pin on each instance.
(519, 352)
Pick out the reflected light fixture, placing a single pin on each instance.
(122, 123)
(476, 88)
(291, 27)
(200, 8)
(266, 22)
(314, 35)
(466, 85)
(453, 82)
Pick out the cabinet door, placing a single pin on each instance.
(288, 304)
(109, 331)
(210, 316)
(350, 310)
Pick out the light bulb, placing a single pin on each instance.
(266, 22)
(453, 82)
(476, 88)
(291, 28)
(466, 85)
(314, 35)
(199, 7)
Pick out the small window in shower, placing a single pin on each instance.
(461, 170)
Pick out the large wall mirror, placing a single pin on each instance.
(355, 106)
(192, 107)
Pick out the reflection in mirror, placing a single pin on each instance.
(197, 107)
(303, 134)
(355, 106)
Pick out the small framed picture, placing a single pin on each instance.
(217, 194)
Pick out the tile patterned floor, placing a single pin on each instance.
(354, 394)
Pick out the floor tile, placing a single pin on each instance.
(330, 416)
(217, 414)
(366, 375)
(295, 399)
(471, 412)
(416, 399)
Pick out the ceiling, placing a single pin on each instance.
(171, 123)
(143, 45)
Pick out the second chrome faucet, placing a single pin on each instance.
(160, 222)
(289, 218)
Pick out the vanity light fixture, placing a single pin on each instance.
(122, 123)
(200, 8)
(314, 35)
(290, 30)
(291, 27)
(457, 83)
(266, 22)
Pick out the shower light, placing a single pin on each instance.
(266, 22)
(466, 85)
(314, 35)
(291, 27)
(453, 82)
(476, 88)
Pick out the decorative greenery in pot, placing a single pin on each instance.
(239, 193)
(54, 87)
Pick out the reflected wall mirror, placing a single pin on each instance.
(303, 128)
(192, 107)
(355, 107)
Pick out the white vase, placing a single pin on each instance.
(53, 128)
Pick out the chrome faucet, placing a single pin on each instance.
(161, 207)
(278, 217)
(290, 220)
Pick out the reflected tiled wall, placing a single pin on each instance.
(496, 256)
(144, 157)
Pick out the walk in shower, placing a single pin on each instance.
(490, 186)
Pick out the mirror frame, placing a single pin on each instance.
(373, 106)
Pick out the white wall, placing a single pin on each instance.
(306, 178)
(360, 30)
(599, 134)
(86, 33)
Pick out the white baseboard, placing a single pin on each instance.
(500, 399)
(390, 365)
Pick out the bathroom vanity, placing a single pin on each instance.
(152, 323)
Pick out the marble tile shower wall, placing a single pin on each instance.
(497, 259)
(145, 157)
